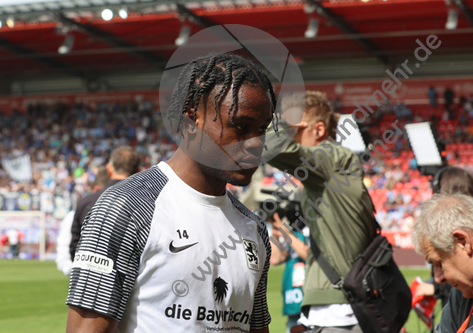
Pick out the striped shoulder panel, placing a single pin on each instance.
(248, 213)
(116, 229)
(137, 194)
(260, 317)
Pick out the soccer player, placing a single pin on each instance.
(138, 265)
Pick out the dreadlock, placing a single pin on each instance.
(202, 75)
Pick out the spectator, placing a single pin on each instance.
(386, 106)
(444, 234)
(14, 237)
(337, 104)
(123, 163)
(448, 95)
(469, 106)
(432, 93)
(397, 109)
(445, 115)
(406, 112)
(456, 180)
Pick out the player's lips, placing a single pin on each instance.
(249, 162)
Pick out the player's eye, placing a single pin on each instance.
(263, 129)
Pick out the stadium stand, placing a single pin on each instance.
(67, 144)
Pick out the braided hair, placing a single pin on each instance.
(203, 74)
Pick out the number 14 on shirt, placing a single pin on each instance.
(184, 234)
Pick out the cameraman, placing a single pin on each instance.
(294, 257)
(335, 203)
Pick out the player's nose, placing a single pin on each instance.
(255, 143)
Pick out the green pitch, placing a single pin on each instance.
(32, 297)
(33, 294)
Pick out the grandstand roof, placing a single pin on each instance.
(383, 29)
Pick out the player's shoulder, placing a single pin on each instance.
(144, 186)
(128, 202)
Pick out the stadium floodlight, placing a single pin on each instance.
(353, 141)
(66, 47)
(312, 28)
(10, 22)
(452, 20)
(123, 13)
(107, 14)
(183, 36)
(428, 149)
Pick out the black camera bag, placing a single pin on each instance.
(375, 287)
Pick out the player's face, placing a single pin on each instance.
(450, 267)
(243, 141)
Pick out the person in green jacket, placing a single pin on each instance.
(335, 203)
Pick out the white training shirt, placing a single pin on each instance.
(332, 315)
(159, 256)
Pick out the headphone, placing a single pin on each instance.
(436, 180)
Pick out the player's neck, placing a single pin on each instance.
(117, 176)
(188, 170)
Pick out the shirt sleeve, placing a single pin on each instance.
(260, 318)
(284, 153)
(106, 262)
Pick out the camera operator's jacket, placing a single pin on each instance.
(346, 227)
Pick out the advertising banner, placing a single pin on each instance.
(401, 239)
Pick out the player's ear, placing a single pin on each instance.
(109, 168)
